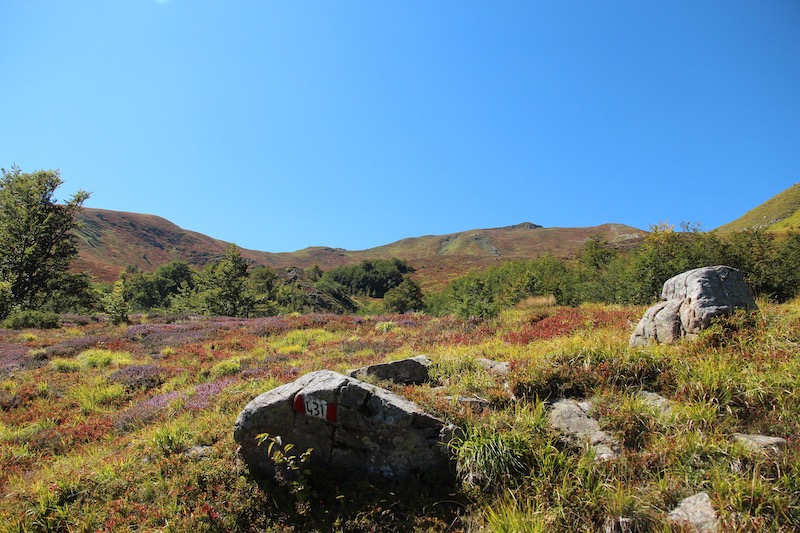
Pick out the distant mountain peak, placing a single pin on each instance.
(523, 225)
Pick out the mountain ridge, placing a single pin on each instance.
(109, 241)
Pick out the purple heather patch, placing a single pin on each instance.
(205, 392)
(146, 410)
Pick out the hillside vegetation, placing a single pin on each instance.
(121, 428)
(778, 214)
(110, 241)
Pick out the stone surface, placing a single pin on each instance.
(656, 401)
(691, 300)
(501, 368)
(411, 371)
(362, 430)
(571, 418)
(199, 452)
(762, 443)
(697, 513)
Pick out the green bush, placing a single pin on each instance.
(32, 319)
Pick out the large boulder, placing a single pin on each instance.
(691, 300)
(353, 428)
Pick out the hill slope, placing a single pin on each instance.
(778, 214)
(111, 240)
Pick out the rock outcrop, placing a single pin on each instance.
(353, 428)
(411, 371)
(691, 300)
(774, 446)
(696, 514)
(572, 419)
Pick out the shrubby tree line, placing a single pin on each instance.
(604, 274)
(37, 244)
(230, 287)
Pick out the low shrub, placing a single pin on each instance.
(32, 319)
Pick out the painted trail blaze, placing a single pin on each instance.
(306, 405)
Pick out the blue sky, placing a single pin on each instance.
(282, 125)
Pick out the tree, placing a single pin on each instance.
(224, 286)
(36, 240)
(405, 297)
(114, 303)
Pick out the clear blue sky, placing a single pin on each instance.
(281, 125)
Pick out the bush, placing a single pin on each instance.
(32, 319)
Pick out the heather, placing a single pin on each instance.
(129, 427)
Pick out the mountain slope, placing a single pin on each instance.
(111, 240)
(778, 214)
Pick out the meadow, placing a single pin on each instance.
(129, 427)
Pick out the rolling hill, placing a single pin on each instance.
(108, 241)
(778, 214)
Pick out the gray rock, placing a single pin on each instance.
(762, 443)
(656, 401)
(691, 300)
(501, 368)
(697, 513)
(353, 428)
(571, 418)
(411, 371)
(199, 452)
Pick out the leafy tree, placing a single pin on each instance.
(36, 241)
(261, 286)
(787, 268)
(370, 277)
(314, 272)
(170, 278)
(115, 304)
(405, 297)
(293, 299)
(140, 291)
(224, 286)
(71, 292)
(596, 253)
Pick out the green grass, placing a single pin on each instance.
(779, 213)
(81, 453)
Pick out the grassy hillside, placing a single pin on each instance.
(130, 428)
(111, 240)
(778, 214)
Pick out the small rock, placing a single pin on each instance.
(762, 443)
(571, 418)
(697, 513)
(411, 371)
(198, 452)
(501, 368)
(656, 401)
